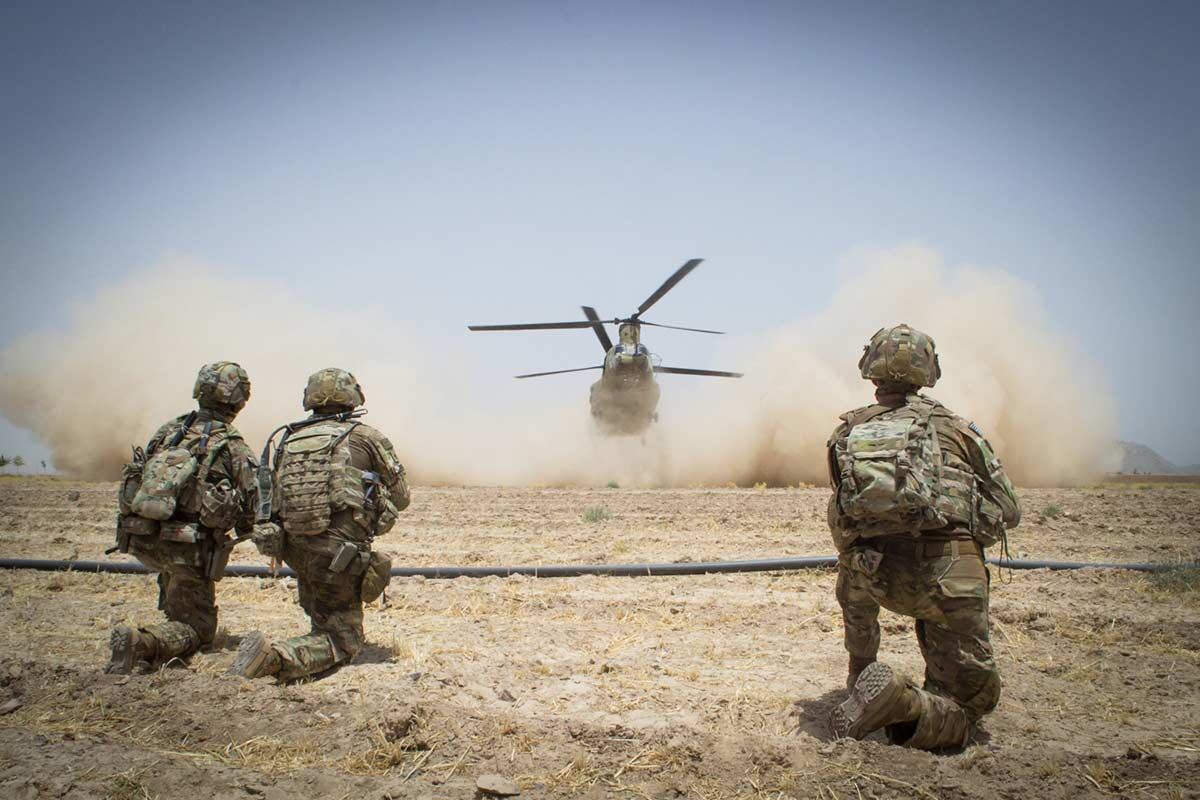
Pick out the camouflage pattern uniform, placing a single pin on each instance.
(186, 596)
(937, 576)
(332, 599)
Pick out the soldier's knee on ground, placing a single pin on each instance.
(985, 699)
(171, 640)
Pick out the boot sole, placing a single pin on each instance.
(876, 689)
(123, 651)
(251, 656)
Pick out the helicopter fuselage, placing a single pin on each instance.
(625, 399)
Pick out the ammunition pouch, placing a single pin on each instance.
(131, 481)
(376, 578)
(218, 505)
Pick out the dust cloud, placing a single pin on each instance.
(127, 359)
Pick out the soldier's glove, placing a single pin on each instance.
(268, 538)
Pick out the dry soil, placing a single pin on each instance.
(705, 687)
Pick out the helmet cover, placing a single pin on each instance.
(332, 387)
(222, 385)
(902, 355)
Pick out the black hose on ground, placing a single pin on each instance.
(563, 570)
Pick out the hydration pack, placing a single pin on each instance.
(172, 472)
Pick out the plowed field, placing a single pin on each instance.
(705, 687)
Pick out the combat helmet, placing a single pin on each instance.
(901, 355)
(222, 386)
(332, 387)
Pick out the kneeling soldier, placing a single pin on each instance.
(337, 484)
(918, 494)
(179, 497)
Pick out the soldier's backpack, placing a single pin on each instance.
(174, 469)
(314, 478)
(890, 469)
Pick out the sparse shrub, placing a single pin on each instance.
(596, 514)
(761, 486)
(18, 462)
(1052, 511)
(4, 461)
(613, 485)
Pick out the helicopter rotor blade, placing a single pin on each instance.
(712, 373)
(598, 327)
(558, 372)
(678, 328)
(532, 326)
(669, 284)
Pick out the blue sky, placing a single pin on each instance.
(488, 162)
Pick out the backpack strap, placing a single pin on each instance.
(185, 422)
(865, 414)
(212, 451)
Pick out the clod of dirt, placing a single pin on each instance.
(397, 726)
(73, 496)
(496, 786)
(11, 706)
(506, 696)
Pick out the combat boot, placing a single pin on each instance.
(857, 665)
(879, 698)
(127, 647)
(256, 658)
(943, 724)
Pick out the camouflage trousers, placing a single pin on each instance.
(332, 602)
(187, 598)
(943, 585)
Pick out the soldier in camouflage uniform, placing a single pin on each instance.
(185, 542)
(337, 485)
(922, 558)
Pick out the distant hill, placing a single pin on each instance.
(1142, 460)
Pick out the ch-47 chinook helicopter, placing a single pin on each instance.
(625, 398)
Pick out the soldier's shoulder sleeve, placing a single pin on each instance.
(388, 465)
(243, 469)
(993, 480)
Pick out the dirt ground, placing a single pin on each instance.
(704, 687)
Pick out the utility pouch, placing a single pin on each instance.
(218, 505)
(131, 481)
(863, 559)
(183, 532)
(133, 525)
(268, 538)
(217, 559)
(376, 578)
(122, 537)
(387, 513)
(342, 558)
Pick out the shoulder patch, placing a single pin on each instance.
(975, 429)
